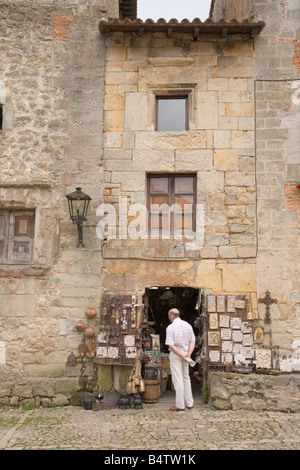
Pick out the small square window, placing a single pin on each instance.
(171, 113)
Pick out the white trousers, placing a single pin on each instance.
(181, 381)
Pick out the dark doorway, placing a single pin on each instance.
(188, 301)
(162, 299)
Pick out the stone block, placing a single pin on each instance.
(239, 277)
(207, 112)
(227, 251)
(216, 239)
(207, 276)
(209, 252)
(116, 53)
(130, 181)
(228, 122)
(210, 181)
(246, 124)
(171, 140)
(112, 139)
(172, 75)
(148, 160)
(235, 178)
(246, 251)
(136, 112)
(112, 154)
(117, 78)
(193, 160)
(239, 84)
(114, 102)
(239, 109)
(215, 218)
(226, 159)
(222, 139)
(214, 84)
(114, 121)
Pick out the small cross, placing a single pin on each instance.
(267, 300)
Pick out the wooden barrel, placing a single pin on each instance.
(152, 391)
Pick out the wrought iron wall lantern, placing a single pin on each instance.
(78, 206)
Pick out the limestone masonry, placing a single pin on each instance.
(79, 110)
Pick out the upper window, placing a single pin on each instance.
(172, 203)
(171, 113)
(16, 237)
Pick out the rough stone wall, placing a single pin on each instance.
(277, 134)
(51, 89)
(277, 101)
(254, 392)
(228, 9)
(219, 148)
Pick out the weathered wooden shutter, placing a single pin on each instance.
(21, 234)
(4, 220)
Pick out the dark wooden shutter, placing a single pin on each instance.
(4, 220)
(21, 233)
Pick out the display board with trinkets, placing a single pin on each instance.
(121, 320)
(229, 334)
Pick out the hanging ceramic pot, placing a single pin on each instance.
(91, 313)
(89, 331)
(80, 326)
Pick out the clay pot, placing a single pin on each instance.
(91, 313)
(89, 331)
(80, 326)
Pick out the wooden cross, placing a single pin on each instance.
(267, 300)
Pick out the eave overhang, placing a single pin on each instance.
(196, 27)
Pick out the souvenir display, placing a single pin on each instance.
(213, 338)
(226, 346)
(226, 333)
(236, 323)
(155, 342)
(129, 340)
(220, 303)
(213, 321)
(224, 321)
(211, 303)
(130, 352)
(230, 303)
(214, 356)
(226, 358)
(118, 337)
(258, 334)
(229, 335)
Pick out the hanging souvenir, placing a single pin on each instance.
(124, 322)
(133, 317)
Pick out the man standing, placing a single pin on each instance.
(181, 341)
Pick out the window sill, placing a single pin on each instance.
(23, 270)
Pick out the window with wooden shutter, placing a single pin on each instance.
(16, 237)
(177, 191)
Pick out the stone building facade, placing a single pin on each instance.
(51, 93)
(79, 90)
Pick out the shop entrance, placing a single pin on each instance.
(187, 300)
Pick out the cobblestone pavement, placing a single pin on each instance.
(154, 427)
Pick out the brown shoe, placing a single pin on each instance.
(190, 407)
(174, 408)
